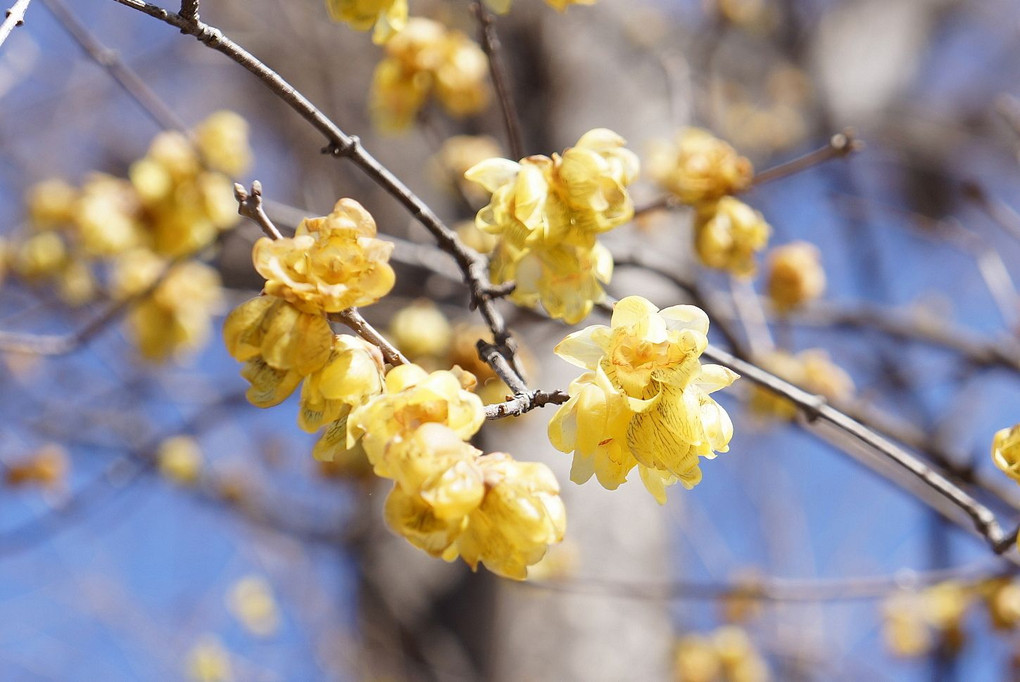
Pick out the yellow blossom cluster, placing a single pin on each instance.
(812, 370)
(644, 400)
(427, 59)
(795, 275)
(388, 17)
(725, 655)
(118, 231)
(448, 499)
(703, 171)
(914, 622)
(548, 213)
(252, 602)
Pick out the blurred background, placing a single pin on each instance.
(234, 555)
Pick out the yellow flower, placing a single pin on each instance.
(421, 329)
(566, 280)
(252, 603)
(50, 204)
(520, 516)
(180, 460)
(387, 16)
(548, 212)
(904, 628)
(437, 465)
(413, 518)
(645, 399)
(331, 263)
(695, 660)
(699, 167)
(812, 370)
(728, 234)
(795, 275)
(423, 60)
(177, 315)
(209, 661)
(1006, 451)
(41, 255)
(352, 374)
(222, 140)
(412, 397)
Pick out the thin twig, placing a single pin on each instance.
(249, 205)
(353, 319)
(132, 84)
(525, 402)
(497, 68)
(15, 17)
(840, 145)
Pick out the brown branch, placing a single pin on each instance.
(189, 10)
(15, 17)
(249, 205)
(840, 145)
(353, 319)
(493, 49)
(814, 408)
(473, 266)
(128, 80)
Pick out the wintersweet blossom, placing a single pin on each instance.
(412, 397)
(1006, 451)
(331, 264)
(795, 275)
(388, 17)
(645, 399)
(428, 60)
(728, 234)
(519, 517)
(698, 167)
(548, 212)
(352, 374)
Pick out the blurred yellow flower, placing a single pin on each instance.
(209, 661)
(180, 460)
(252, 603)
(427, 59)
(645, 399)
(795, 275)
(421, 330)
(46, 467)
(810, 369)
(698, 167)
(389, 17)
(331, 264)
(728, 234)
(50, 204)
(503, 6)
(222, 141)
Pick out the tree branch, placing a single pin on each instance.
(497, 68)
(15, 17)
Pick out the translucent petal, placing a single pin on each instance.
(493, 173)
(585, 348)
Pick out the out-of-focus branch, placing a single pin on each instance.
(108, 59)
(773, 589)
(15, 17)
(840, 145)
(497, 68)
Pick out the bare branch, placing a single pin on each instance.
(494, 51)
(132, 84)
(816, 408)
(15, 17)
(525, 402)
(840, 145)
(189, 10)
(249, 205)
(353, 319)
